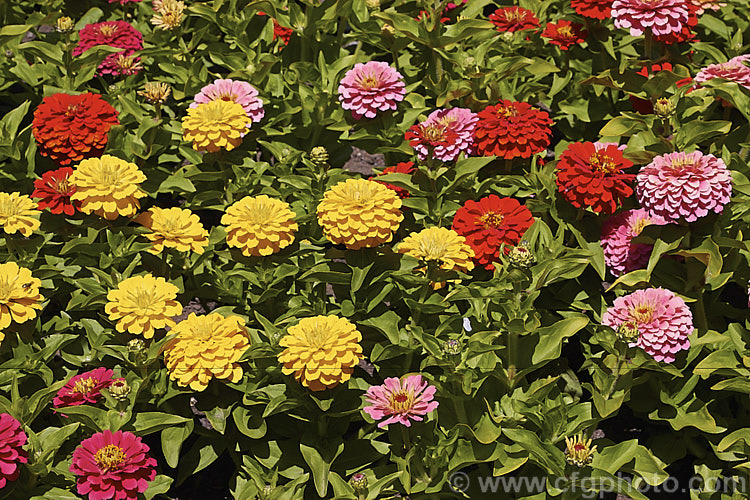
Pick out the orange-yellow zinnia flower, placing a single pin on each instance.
(141, 304)
(259, 225)
(18, 212)
(107, 186)
(440, 245)
(215, 125)
(175, 228)
(19, 295)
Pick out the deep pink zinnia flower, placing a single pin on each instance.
(687, 185)
(113, 465)
(84, 388)
(662, 319)
(620, 253)
(371, 87)
(232, 90)
(12, 454)
(660, 16)
(445, 132)
(115, 34)
(733, 70)
(400, 402)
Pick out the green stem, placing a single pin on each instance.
(648, 43)
(508, 168)
(460, 411)
(67, 61)
(616, 374)
(406, 438)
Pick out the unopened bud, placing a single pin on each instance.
(265, 493)
(64, 25)
(319, 155)
(358, 482)
(387, 30)
(372, 4)
(136, 346)
(120, 389)
(521, 256)
(664, 107)
(452, 347)
(628, 331)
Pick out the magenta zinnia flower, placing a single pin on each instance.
(733, 70)
(12, 454)
(620, 254)
(662, 17)
(371, 87)
(447, 132)
(401, 401)
(117, 34)
(662, 319)
(242, 93)
(113, 466)
(687, 185)
(84, 388)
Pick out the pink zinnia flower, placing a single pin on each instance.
(687, 185)
(115, 34)
(661, 16)
(113, 465)
(662, 318)
(12, 454)
(620, 254)
(84, 388)
(733, 70)
(123, 2)
(447, 132)
(401, 402)
(371, 87)
(242, 93)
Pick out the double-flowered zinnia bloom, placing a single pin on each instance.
(397, 402)
(18, 213)
(259, 225)
(19, 295)
(735, 70)
(489, 223)
(174, 227)
(444, 134)
(662, 17)
(359, 213)
(593, 176)
(12, 454)
(84, 388)
(512, 129)
(371, 88)
(564, 34)
(661, 319)
(684, 185)
(215, 125)
(237, 91)
(704, 5)
(69, 128)
(118, 34)
(440, 245)
(205, 347)
(620, 253)
(108, 187)
(142, 304)
(404, 167)
(321, 351)
(513, 19)
(112, 465)
(55, 190)
(594, 9)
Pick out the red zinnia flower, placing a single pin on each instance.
(55, 191)
(12, 438)
(512, 130)
(565, 34)
(279, 31)
(428, 136)
(112, 465)
(595, 9)
(488, 223)
(514, 19)
(70, 128)
(117, 34)
(594, 177)
(404, 167)
(84, 388)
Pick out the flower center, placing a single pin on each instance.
(316, 336)
(203, 330)
(84, 385)
(110, 457)
(513, 16)
(579, 447)
(434, 132)
(639, 225)
(109, 175)
(401, 402)
(506, 112)
(369, 82)
(433, 248)
(565, 31)
(602, 163)
(491, 220)
(642, 313)
(261, 212)
(60, 186)
(71, 110)
(108, 29)
(228, 97)
(682, 165)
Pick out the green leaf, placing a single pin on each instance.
(551, 337)
(147, 422)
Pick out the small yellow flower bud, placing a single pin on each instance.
(64, 25)
(319, 155)
(372, 4)
(156, 92)
(579, 452)
(628, 331)
(359, 483)
(120, 390)
(664, 107)
(521, 256)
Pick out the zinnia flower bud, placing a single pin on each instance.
(359, 483)
(628, 331)
(120, 389)
(64, 25)
(319, 155)
(664, 108)
(578, 451)
(521, 256)
(452, 347)
(156, 92)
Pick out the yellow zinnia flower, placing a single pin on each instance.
(259, 225)
(17, 213)
(143, 303)
(215, 125)
(359, 213)
(321, 351)
(174, 227)
(19, 295)
(107, 186)
(441, 245)
(206, 347)
(168, 14)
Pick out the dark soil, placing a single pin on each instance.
(363, 162)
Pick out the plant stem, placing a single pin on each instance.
(616, 374)
(648, 43)
(508, 166)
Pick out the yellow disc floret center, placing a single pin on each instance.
(401, 402)
(108, 29)
(602, 163)
(491, 220)
(110, 457)
(642, 313)
(84, 385)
